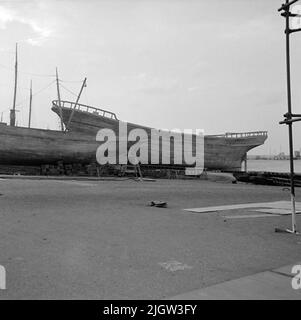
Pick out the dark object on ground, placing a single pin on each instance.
(159, 204)
(267, 178)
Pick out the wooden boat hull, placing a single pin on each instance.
(221, 152)
(23, 146)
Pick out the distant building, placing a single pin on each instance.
(281, 156)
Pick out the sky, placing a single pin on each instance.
(187, 64)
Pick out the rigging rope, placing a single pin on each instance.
(29, 73)
(36, 93)
(69, 90)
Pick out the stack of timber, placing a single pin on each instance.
(75, 169)
(20, 170)
(267, 178)
(59, 169)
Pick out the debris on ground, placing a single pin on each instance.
(159, 204)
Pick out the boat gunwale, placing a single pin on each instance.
(229, 137)
(56, 104)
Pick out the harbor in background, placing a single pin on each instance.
(272, 165)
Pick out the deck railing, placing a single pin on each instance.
(85, 108)
(236, 135)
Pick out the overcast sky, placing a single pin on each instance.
(216, 65)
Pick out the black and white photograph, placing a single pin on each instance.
(150, 153)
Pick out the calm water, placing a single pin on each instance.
(273, 165)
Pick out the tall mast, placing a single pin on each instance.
(76, 103)
(13, 110)
(59, 98)
(30, 104)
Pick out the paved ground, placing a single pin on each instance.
(268, 285)
(99, 240)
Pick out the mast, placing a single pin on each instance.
(76, 103)
(30, 104)
(13, 110)
(59, 98)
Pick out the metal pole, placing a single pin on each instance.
(290, 125)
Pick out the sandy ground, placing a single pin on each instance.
(100, 240)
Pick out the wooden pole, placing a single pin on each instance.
(76, 103)
(13, 110)
(30, 104)
(59, 98)
(245, 159)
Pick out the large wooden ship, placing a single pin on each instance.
(221, 152)
(28, 146)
